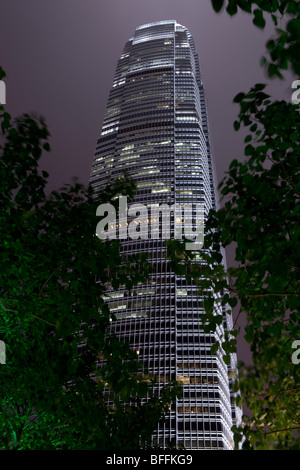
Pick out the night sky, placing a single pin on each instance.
(60, 57)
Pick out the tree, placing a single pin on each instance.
(54, 273)
(260, 218)
(283, 49)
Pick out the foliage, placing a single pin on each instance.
(54, 272)
(283, 49)
(260, 219)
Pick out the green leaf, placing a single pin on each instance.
(226, 359)
(274, 18)
(238, 98)
(215, 347)
(231, 7)
(258, 19)
(236, 125)
(2, 73)
(217, 5)
(259, 86)
(293, 27)
(232, 302)
(249, 150)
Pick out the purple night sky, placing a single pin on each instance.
(60, 57)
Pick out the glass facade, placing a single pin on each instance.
(155, 127)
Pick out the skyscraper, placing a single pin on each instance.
(156, 128)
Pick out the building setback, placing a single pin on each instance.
(155, 127)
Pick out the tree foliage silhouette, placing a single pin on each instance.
(60, 361)
(260, 219)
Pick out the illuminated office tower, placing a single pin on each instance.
(156, 128)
